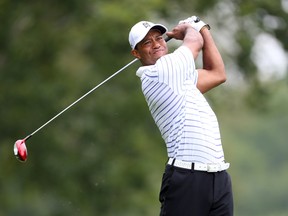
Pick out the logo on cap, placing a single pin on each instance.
(146, 24)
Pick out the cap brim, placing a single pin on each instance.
(161, 28)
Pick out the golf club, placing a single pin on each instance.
(20, 150)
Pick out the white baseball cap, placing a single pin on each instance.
(140, 30)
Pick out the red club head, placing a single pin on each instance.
(20, 150)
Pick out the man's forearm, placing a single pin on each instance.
(212, 59)
(213, 72)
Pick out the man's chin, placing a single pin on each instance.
(159, 54)
(156, 56)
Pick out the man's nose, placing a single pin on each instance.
(156, 44)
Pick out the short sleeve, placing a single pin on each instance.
(178, 69)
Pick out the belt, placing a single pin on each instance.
(198, 166)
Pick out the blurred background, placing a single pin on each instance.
(105, 156)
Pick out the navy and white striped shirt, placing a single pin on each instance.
(186, 122)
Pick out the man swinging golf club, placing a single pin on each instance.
(195, 181)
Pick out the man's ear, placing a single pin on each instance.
(135, 53)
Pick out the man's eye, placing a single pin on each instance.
(146, 42)
(160, 38)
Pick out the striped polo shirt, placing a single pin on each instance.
(187, 123)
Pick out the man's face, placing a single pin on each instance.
(151, 48)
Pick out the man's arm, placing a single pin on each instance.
(213, 72)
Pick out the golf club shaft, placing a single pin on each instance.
(89, 92)
(75, 102)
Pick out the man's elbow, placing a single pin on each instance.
(222, 76)
(223, 79)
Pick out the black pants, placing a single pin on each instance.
(195, 193)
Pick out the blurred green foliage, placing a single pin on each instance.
(105, 156)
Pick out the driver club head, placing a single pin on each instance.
(20, 150)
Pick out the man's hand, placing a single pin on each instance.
(195, 22)
(179, 32)
(190, 37)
